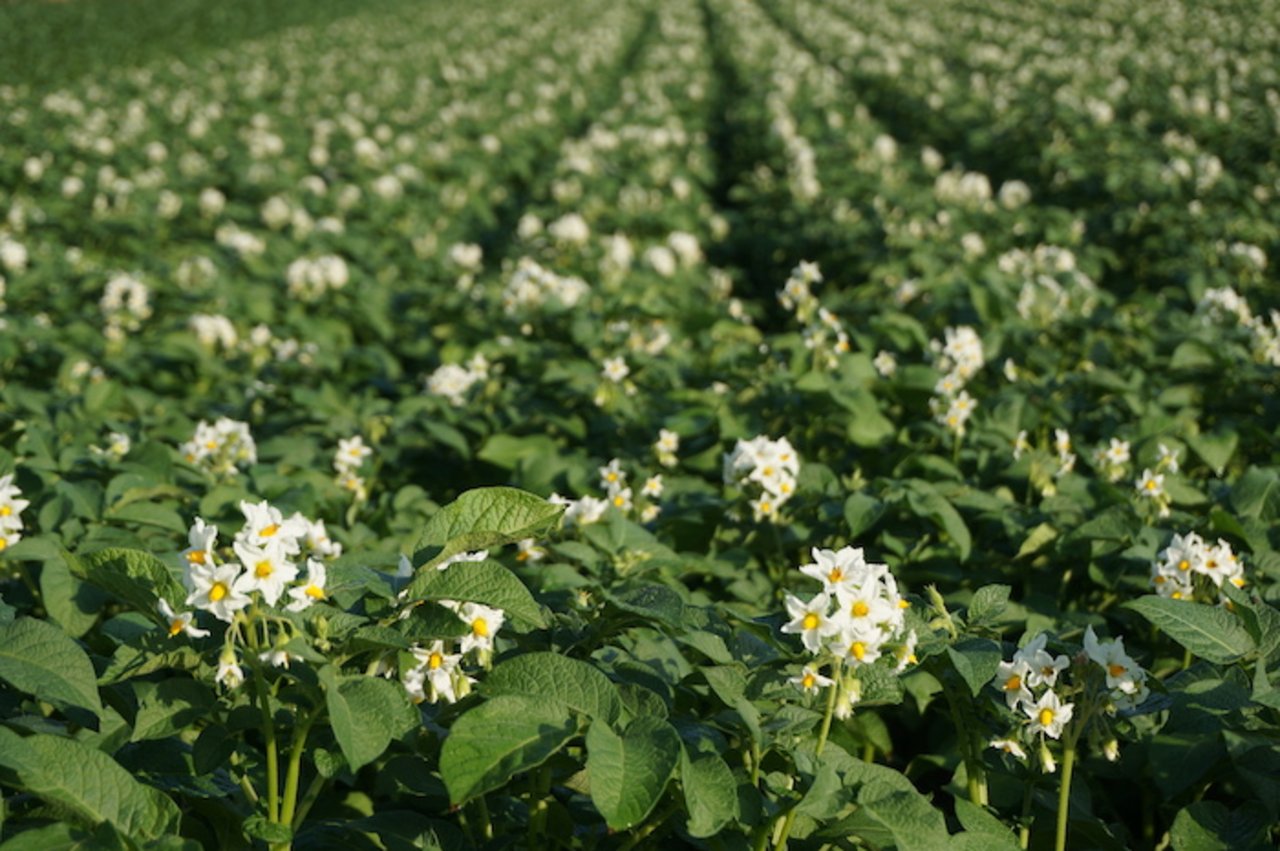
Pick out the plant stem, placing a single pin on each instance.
(269, 744)
(1064, 796)
(645, 831)
(833, 693)
(486, 825)
(1024, 829)
(308, 800)
(540, 786)
(294, 768)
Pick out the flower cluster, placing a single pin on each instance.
(772, 465)
(1112, 460)
(1174, 571)
(125, 303)
(823, 332)
(619, 496)
(347, 461)
(118, 446)
(310, 278)
(857, 618)
(1049, 691)
(531, 286)
(221, 448)
(959, 357)
(666, 447)
(11, 507)
(453, 381)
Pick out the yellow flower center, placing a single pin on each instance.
(1047, 671)
(619, 501)
(1211, 564)
(1013, 683)
(610, 477)
(315, 592)
(480, 627)
(1184, 565)
(4, 542)
(196, 557)
(767, 472)
(435, 660)
(175, 626)
(810, 621)
(858, 650)
(263, 569)
(268, 531)
(860, 609)
(904, 604)
(218, 591)
(1151, 484)
(1045, 717)
(835, 575)
(211, 445)
(809, 681)
(1176, 595)
(1116, 670)
(6, 510)
(766, 507)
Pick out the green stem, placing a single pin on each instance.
(1064, 797)
(755, 763)
(648, 828)
(1024, 829)
(966, 728)
(308, 800)
(486, 824)
(540, 787)
(833, 693)
(269, 743)
(294, 768)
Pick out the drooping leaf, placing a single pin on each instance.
(710, 793)
(577, 684)
(481, 519)
(1209, 632)
(485, 582)
(366, 714)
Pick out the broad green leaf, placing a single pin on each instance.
(1257, 494)
(501, 737)
(1215, 449)
(138, 578)
(976, 660)
(483, 518)
(861, 511)
(38, 658)
(1210, 826)
(86, 784)
(1209, 632)
(710, 793)
(656, 602)
(988, 603)
(927, 502)
(484, 582)
(366, 713)
(629, 772)
(71, 603)
(579, 685)
(983, 829)
(169, 707)
(899, 817)
(1117, 523)
(1037, 539)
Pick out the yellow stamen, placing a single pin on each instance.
(4, 542)
(1116, 670)
(218, 591)
(480, 627)
(268, 531)
(809, 681)
(196, 557)
(1013, 683)
(1176, 595)
(175, 626)
(1184, 565)
(1151, 484)
(1045, 717)
(861, 609)
(434, 661)
(858, 650)
(835, 575)
(620, 501)
(263, 569)
(6, 510)
(810, 621)
(315, 592)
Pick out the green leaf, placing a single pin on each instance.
(168, 707)
(985, 830)
(1215, 449)
(257, 827)
(138, 578)
(484, 518)
(629, 772)
(899, 817)
(988, 604)
(1037, 539)
(861, 511)
(72, 604)
(1117, 523)
(501, 737)
(1209, 632)
(1257, 494)
(578, 685)
(366, 713)
(86, 784)
(655, 602)
(927, 502)
(710, 793)
(976, 660)
(1210, 826)
(38, 658)
(485, 582)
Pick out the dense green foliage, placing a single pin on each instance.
(724, 425)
